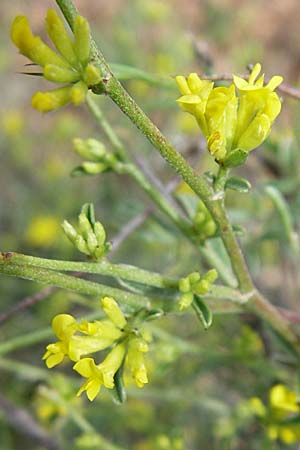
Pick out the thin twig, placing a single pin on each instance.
(23, 422)
(27, 302)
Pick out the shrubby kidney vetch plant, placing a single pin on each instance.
(235, 119)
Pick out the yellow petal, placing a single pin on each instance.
(274, 82)
(61, 324)
(54, 359)
(256, 133)
(85, 367)
(85, 345)
(78, 93)
(113, 312)
(93, 389)
(182, 85)
(195, 83)
(254, 73)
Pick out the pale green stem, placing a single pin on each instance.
(156, 196)
(220, 181)
(78, 418)
(108, 130)
(126, 272)
(103, 267)
(25, 340)
(133, 170)
(53, 278)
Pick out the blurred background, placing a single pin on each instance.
(201, 382)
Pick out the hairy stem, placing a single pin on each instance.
(51, 277)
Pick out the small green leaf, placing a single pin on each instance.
(154, 314)
(119, 392)
(203, 313)
(285, 215)
(236, 158)
(238, 184)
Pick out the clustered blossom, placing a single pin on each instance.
(71, 63)
(279, 414)
(78, 340)
(234, 119)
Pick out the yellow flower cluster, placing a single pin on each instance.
(283, 407)
(232, 124)
(70, 64)
(77, 340)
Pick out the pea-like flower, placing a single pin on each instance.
(101, 374)
(64, 326)
(125, 342)
(280, 415)
(70, 64)
(232, 124)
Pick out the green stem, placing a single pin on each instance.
(103, 267)
(157, 197)
(133, 170)
(220, 181)
(25, 340)
(108, 130)
(53, 278)
(126, 272)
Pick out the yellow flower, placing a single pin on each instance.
(87, 368)
(42, 231)
(233, 125)
(77, 340)
(283, 399)
(113, 312)
(258, 108)
(101, 374)
(70, 64)
(135, 360)
(64, 326)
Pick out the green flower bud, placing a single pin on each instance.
(91, 243)
(202, 287)
(211, 276)
(81, 245)
(85, 227)
(194, 277)
(99, 233)
(93, 168)
(69, 231)
(185, 300)
(184, 284)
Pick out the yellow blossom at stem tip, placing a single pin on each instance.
(235, 119)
